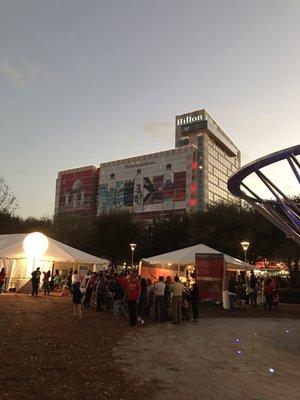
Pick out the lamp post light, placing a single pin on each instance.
(132, 247)
(245, 246)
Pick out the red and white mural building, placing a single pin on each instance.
(182, 179)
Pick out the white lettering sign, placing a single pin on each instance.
(189, 119)
(139, 164)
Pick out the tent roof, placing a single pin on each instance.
(11, 246)
(187, 256)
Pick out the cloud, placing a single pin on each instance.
(12, 73)
(23, 73)
(160, 130)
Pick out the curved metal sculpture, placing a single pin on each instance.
(283, 211)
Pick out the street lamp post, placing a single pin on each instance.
(245, 246)
(132, 247)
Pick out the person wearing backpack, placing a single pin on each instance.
(132, 294)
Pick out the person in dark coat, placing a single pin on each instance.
(100, 292)
(35, 281)
(167, 298)
(232, 291)
(253, 289)
(76, 296)
(118, 305)
(195, 301)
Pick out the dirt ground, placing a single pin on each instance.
(46, 353)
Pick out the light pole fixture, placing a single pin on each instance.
(245, 246)
(132, 247)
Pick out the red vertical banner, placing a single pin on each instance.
(209, 270)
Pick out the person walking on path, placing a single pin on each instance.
(195, 301)
(132, 295)
(46, 283)
(76, 297)
(177, 289)
(35, 281)
(159, 292)
(2, 279)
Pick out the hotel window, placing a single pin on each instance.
(112, 176)
(138, 171)
(168, 167)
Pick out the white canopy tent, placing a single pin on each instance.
(19, 267)
(186, 256)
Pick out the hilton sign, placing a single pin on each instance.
(189, 119)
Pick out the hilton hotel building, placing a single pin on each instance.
(184, 179)
(217, 157)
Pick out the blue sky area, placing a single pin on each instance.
(84, 82)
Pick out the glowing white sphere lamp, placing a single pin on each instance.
(35, 245)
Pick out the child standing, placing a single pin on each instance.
(77, 312)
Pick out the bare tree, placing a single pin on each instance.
(8, 202)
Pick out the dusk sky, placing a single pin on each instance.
(84, 82)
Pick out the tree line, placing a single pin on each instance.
(221, 226)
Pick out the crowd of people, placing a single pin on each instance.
(258, 290)
(132, 296)
(135, 297)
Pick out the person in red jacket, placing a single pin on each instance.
(132, 294)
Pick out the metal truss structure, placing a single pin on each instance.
(283, 211)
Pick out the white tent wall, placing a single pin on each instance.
(18, 270)
(187, 256)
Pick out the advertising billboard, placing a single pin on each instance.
(142, 191)
(146, 184)
(76, 192)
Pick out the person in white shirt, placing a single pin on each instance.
(75, 277)
(159, 292)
